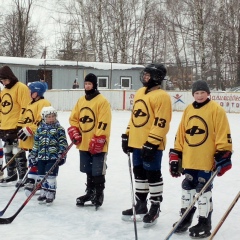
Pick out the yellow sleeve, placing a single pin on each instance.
(162, 118)
(23, 99)
(74, 116)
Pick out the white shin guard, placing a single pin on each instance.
(141, 186)
(205, 204)
(156, 190)
(187, 197)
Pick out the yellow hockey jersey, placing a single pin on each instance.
(13, 105)
(92, 118)
(201, 133)
(150, 118)
(32, 118)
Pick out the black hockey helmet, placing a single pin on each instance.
(157, 74)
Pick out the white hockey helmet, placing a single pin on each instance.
(46, 111)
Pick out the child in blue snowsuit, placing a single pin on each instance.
(50, 143)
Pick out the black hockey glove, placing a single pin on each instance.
(62, 162)
(175, 161)
(148, 151)
(126, 149)
(223, 161)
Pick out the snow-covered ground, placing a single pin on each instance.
(64, 221)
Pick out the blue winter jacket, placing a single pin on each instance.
(49, 142)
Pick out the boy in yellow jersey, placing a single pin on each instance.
(145, 137)
(31, 121)
(14, 100)
(203, 144)
(90, 122)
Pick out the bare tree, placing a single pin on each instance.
(19, 36)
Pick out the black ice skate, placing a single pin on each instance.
(89, 196)
(187, 221)
(9, 180)
(140, 208)
(150, 218)
(202, 229)
(98, 200)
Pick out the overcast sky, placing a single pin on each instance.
(43, 14)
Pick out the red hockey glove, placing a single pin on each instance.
(223, 161)
(175, 158)
(24, 133)
(75, 135)
(96, 144)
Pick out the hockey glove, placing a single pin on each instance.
(223, 161)
(75, 135)
(62, 161)
(175, 159)
(148, 151)
(96, 144)
(32, 161)
(24, 133)
(126, 149)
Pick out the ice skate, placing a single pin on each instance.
(89, 196)
(187, 221)
(20, 183)
(140, 208)
(202, 229)
(50, 197)
(150, 218)
(9, 180)
(98, 200)
(28, 188)
(43, 196)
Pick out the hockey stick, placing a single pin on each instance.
(133, 197)
(11, 160)
(192, 204)
(14, 194)
(10, 219)
(224, 216)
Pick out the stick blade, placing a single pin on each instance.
(6, 220)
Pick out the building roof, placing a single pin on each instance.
(56, 62)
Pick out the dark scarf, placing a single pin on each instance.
(199, 105)
(90, 94)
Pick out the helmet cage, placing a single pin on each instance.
(47, 111)
(157, 74)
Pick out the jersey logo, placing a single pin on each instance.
(197, 131)
(140, 113)
(7, 103)
(87, 119)
(28, 117)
